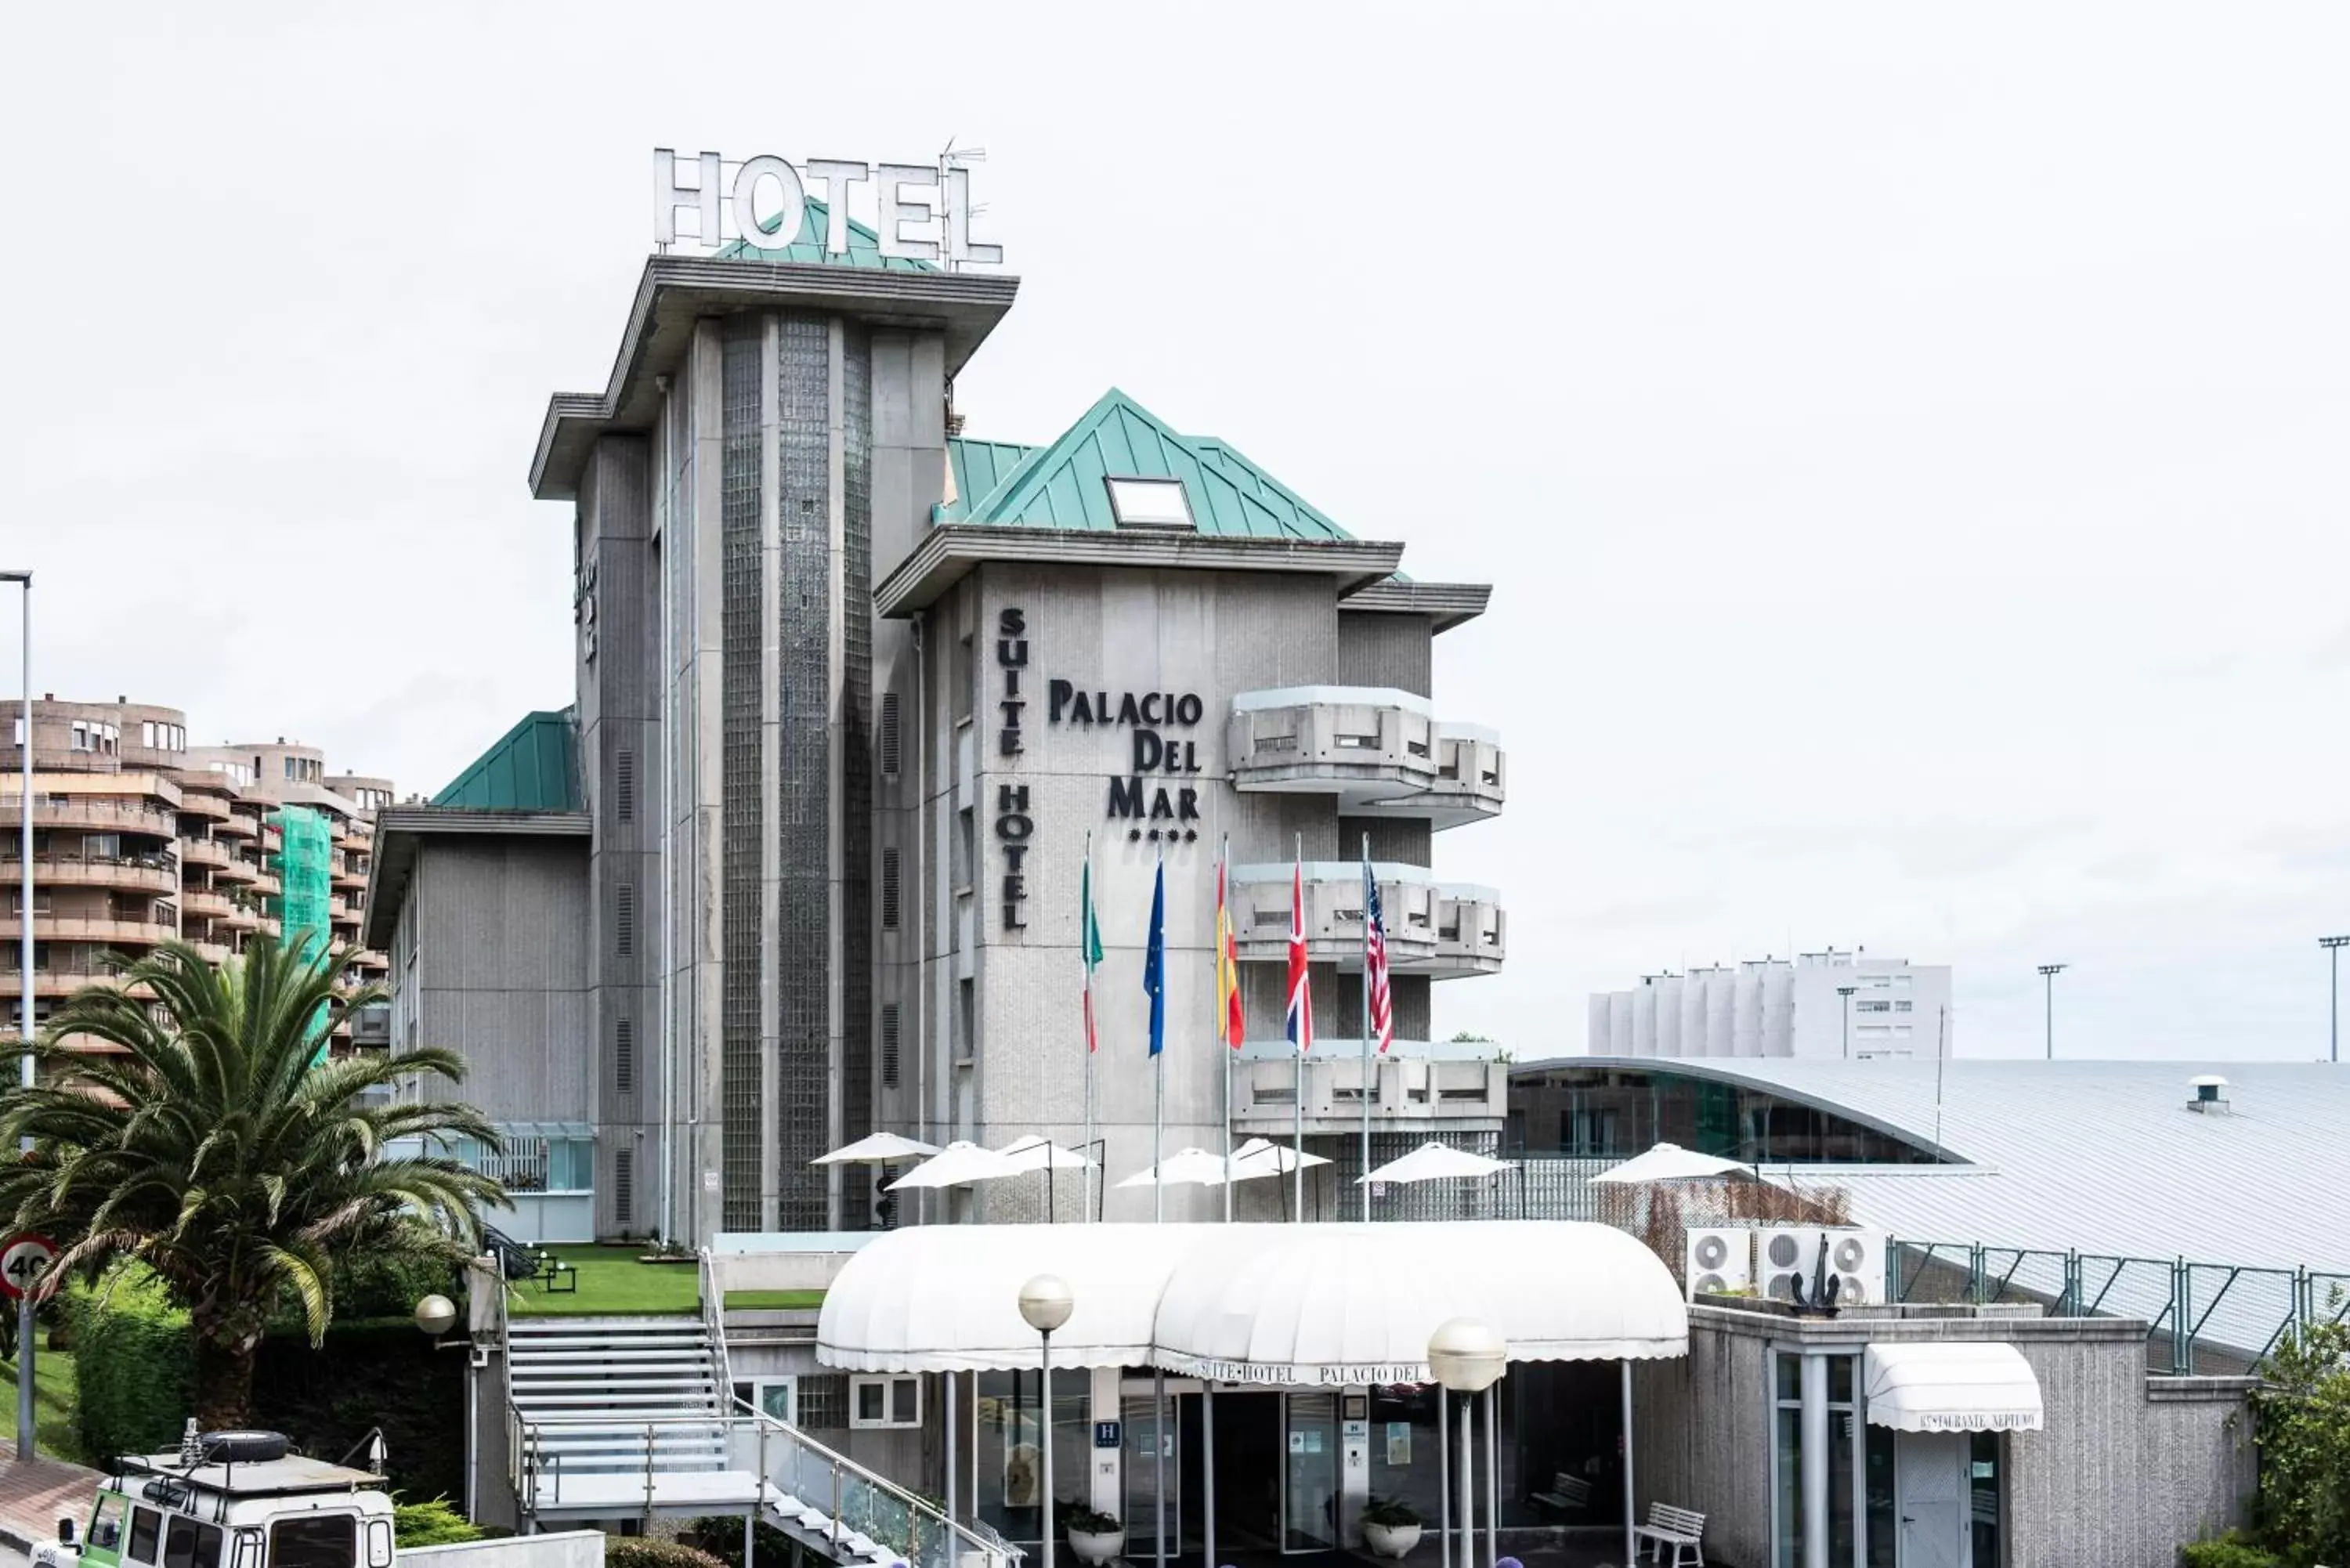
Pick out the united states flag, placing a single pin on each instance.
(1375, 964)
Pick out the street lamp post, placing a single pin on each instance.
(25, 1419)
(1846, 991)
(2333, 946)
(2048, 973)
(1467, 1357)
(1046, 1303)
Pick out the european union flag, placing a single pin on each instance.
(1154, 964)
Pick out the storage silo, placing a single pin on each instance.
(1693, 1014)
(1668, 988)
(1595, 1026)
(1746, 1010)
(1644, 1019)
(1720, 991)
(1778, 1007)
(1619, 1023)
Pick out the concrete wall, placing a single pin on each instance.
(557, 1549)
(617, 648)
(2127, 1468)
(499, 973)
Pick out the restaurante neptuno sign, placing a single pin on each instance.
(919, 212)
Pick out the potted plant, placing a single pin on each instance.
(1391, 1526)
(1097, 1538)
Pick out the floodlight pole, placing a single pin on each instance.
(2333, 946)
(2048, 973)
(1846, 991)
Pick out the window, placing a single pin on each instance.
(885, 1402)
(146, 1532)
(289, 767)
(624, 1187)
(187, 1543)
(889, 734)
(774, 1397)
(379, 1540)
(624, 920)
(106, 1521)
(624, 786)
(147, 733)
(320, 1541)
(624, 1055)
(889, 1044)
(889, 876)
(1148, 503)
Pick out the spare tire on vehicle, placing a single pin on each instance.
(242, 1448)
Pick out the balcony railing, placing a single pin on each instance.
(1461, 1085)
(158, 873)
(1379, 750)
(102, 813)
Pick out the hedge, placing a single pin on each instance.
(135, 1366)
(136, 1358)
(644, 1551)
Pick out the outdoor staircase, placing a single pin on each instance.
(620, 1396)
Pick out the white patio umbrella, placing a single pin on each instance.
(1672, 1162)
(1185, 1166)
(961, 1161)
(880, 1149)
(1034, 1153)
(1257, 1158)
(1436, 1162)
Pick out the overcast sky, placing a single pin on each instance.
(1909, 448)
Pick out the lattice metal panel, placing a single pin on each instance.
(1487, 1198)
(857, 729)
(740, 628)
(803, 937)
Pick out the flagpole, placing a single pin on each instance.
(1158, 1074)
(1297, 1094)
(1224, 892)
(1085, 1025)
(1366, 1171)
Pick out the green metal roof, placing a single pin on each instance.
(864, 246)
(978, 467)
(532, 767)
(1060, 485)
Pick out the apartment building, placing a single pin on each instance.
(138, 838)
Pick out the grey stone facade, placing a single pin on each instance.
(2127, 1466)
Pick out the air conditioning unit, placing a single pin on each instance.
(1784, 1254)
(1858, 1256)
(1719, 1261)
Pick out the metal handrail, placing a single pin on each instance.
(714, 1322)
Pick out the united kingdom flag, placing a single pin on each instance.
(1301, 994)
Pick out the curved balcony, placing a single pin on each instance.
(1472, 934)
(1378, 749)
(239, 824)
(1441, 930)
(97, 814)
(106, 930)
(211, 952)
(136, 874)
(211, 807)
(206, 904)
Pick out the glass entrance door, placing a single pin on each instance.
(1309, 1475)
(1146, 1448)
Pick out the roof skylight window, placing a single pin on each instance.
(1150, 503)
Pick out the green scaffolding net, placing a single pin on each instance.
(305, 851)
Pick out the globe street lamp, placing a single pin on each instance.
(436, 1316)
(1467, 1357)
(1046, 1303)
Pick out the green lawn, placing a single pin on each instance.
(53, 1400)
(613, 1281)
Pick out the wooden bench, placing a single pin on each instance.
(1680, 1528)
(1568, 1494)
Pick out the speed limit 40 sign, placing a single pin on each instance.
(23, 1261)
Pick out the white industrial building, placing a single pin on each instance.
(1836, 1002)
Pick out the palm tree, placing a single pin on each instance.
(217, 1150)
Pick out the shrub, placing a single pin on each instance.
(2228, 1550)
(2302, 1423)
(643, 1552)
(721, 1537)
(1089, 1522)
(135, 1364)
(1391, 1513)
(433, 1523)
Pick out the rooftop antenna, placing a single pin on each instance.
(952, 161)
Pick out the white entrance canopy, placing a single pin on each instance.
(1324, 1304)
(1952, 1386)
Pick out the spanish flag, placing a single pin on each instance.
(1228, 969)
